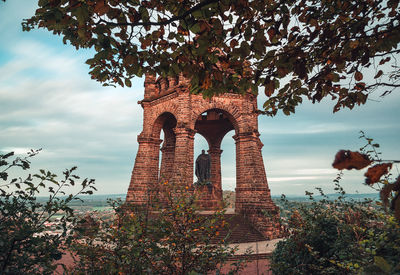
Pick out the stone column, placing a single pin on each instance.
(250, 171)
(183, 163)
(167, 161)
(145, 170)
(253, 198)
(215, 155)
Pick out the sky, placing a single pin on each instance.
(48, 101)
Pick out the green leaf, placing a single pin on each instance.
(81, 15)
(195, 28)
(128, 82)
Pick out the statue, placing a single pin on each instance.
(203, 168)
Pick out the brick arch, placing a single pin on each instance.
(232, 111)
(160, 121)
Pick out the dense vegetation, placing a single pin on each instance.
(25, 244)
(163, 237)
(343, 236)
(338, 237)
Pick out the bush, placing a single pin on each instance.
(25, 244)
(161, 237)
(324, 237)
(344, 236)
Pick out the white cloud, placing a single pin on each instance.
(16, 150)
(48, 101)
(279, 179)
(315, 171)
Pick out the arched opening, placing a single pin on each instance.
(228, 169)
(164, 129)
(213, 125)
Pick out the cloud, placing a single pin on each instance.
(16, 150)
(48, 101)
(324, 128)
(279, 179)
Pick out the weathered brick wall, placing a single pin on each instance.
(169, 106)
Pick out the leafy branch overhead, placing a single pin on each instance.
(295, 49)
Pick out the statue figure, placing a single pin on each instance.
(203, 168)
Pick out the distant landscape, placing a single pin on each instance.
(100, 202)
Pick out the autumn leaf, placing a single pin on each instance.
(378, 74)
(207, 82)
(145, 43)
(375, 172)
(384, 60)
(269, 88)
(346, 159)
(101, 8)
(354, 44)
(234, 43)
(271, 32)
(360, 86)
(358, 76)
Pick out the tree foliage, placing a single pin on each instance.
(165, 236)
(295, 49)
(26, 246)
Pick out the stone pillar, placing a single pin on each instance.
(215, 155)
(145, 170)
(167, 161)
(253, 198)
(183, 163)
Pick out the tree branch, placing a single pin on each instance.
(165, 22)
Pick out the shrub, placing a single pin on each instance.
(165, 236)
(344, 236)
(25, 244)
(324, 237)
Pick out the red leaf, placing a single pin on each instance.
(271, 32)
(384, 60)
(101, 8)
(346, 159)
(358, 76)
(360, 86)
(234, 43)
(269, 88)
(375, 172)
(378, 74)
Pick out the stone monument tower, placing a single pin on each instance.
(169, 107)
